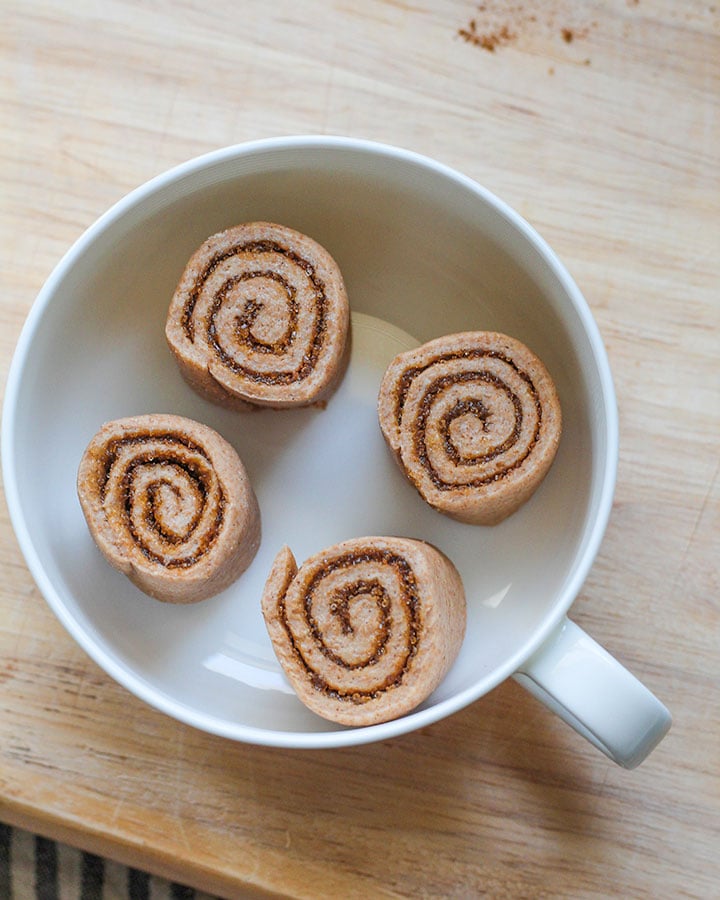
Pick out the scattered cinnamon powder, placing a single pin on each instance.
(497, 23)
(488, 40)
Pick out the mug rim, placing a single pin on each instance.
(583, 560)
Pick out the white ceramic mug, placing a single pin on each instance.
(424, 251)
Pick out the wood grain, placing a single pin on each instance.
(608, 143)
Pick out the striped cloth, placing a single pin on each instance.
(35, 868)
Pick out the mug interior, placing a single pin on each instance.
(423, 252)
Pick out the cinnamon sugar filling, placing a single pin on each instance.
(467, 407)
(242, 332)
(406, 604)
(189, 480)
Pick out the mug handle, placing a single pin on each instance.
(587, 687)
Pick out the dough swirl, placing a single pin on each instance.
(169, 504)
(260, 317)
(474, 422)
(366, 629)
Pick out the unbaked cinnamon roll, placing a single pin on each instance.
(169, 504)
(474, 422)
(260, 317)
(366, 629)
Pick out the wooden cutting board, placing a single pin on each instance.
(598, 122)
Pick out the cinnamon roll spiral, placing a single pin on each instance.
(366, 629)
(169, 504)
(260, 317)
(474, 421)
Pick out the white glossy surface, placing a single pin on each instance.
(580, 681)
(424, 252)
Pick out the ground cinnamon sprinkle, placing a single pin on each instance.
(489, 40)
(497, 24)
